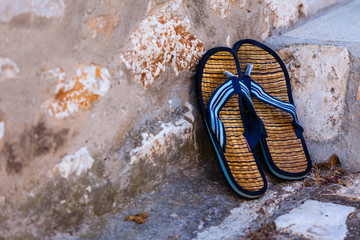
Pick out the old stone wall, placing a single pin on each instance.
(97, 99)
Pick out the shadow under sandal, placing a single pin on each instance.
(283, 144)
(231, 121)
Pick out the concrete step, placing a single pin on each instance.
(323, 59)
(203, 207)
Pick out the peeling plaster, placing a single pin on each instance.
(41, 8)
(223, 7)
(158, 144)
(79, 92)
(161, 39)
(76, 164)
(8, 69)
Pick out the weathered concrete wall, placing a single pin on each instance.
(97, 99)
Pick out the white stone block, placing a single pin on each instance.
(316, 220)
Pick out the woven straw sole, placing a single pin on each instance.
(288, 154)
(241, 162)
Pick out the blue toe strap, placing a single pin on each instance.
(219, 98)
(258, 92)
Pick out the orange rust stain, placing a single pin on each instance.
(82, 97)
(158, 144)
(76, 94)
(97, 73)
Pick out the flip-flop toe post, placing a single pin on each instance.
(230, 120)
(283, 144)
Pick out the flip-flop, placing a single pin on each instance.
(231, 121)
(284, 146)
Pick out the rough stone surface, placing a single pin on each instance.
(316, 220)
(96, 126)
(319, 76)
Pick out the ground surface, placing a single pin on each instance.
(202, 206)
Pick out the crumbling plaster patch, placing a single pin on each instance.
(41, 8)
(153, 145)
(79, 92)
(8, 69)
(75, 164)
(319, 76)
(162, 38)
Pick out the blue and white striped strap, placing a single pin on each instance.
(258, 92)
(218, 99)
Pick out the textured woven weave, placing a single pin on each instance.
(239, 158)
(286, 149)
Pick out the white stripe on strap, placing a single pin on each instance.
(219, 98)
(261, 95)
